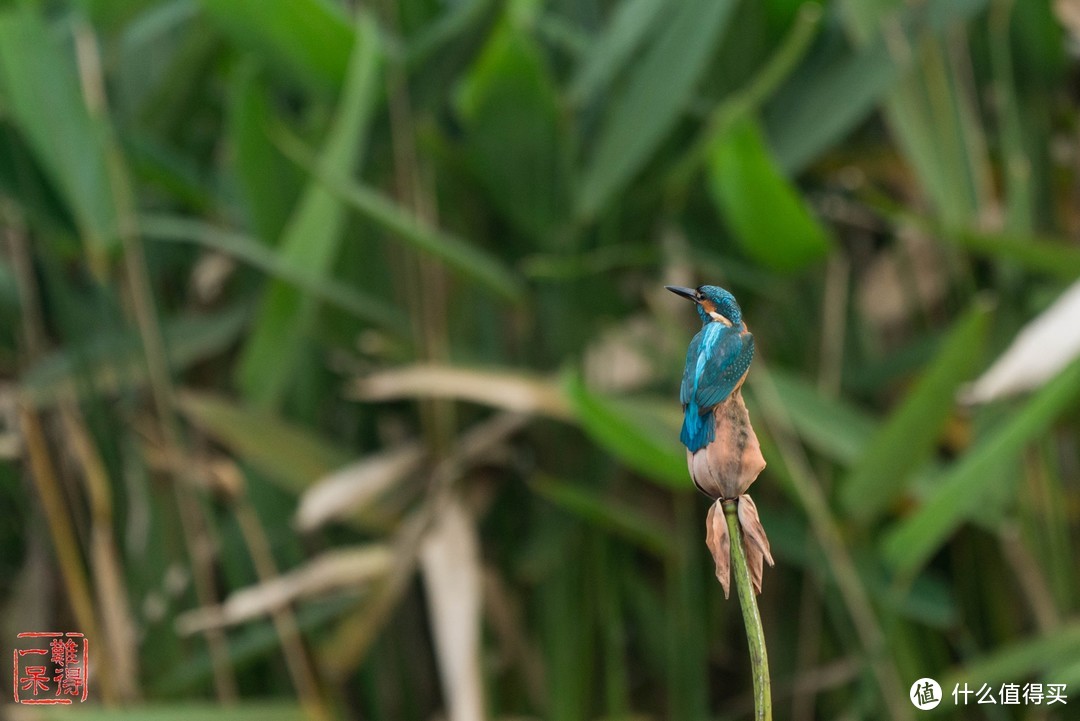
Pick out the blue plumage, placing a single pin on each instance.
(716, 362)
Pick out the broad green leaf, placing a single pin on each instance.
(310, 241)
(456, 19)
(656, 94)
(927, 599)
(748, 99)
(609, 514)
(458, 254)
(930, 108)
(823, 101)
(628, 28)
(606, 259)
(311, 39)
(40, 92)
(250, 251)
(153, 22)
(833, 92)
(9, 288)
(938, 145)
(567, 589)
(631, 434)
(907, 438)
(508, 100)
(765, 212)
(181, 676)
(1046, 255)
(167, 60)
(269, 184)
(959, 495)
(831, 426)
(158, 166)
(290, 455)
(113, 362)
(1016, 151)
(685, 618)
(109, 15)
(1017, 661)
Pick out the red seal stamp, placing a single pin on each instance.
(51, 667)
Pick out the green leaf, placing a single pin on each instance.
(938, 143)
(508, 100)
(113, 362)
(766, 213)
(930, 109)
(183, 675)
(747, 100)
(1017, 661)
(9, 289)
(455, 21)
(823, 101)
(310, 240)
(655, 96)
(269, 184)
(959, 495)
(250, 251)
(830, 426)
(1057, 257)
(292, 456)
(927, 601)
(833, 92)
(907, 438)
(632, 434)
(611, 515)
(628, 28)
(39, 87)
(311, 39)
(463, 257)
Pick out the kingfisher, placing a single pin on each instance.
(716, 362)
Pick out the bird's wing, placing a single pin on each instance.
(718, 363)
(686, 391)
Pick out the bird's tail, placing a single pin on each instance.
(697, 428)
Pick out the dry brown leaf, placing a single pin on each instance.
(719, 543)
(517, 392)
(348, 489)
(1040, 350)
(755, 543)
(352, 639)
(450, 562)
(331, 571)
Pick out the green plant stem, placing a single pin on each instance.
(755, 634)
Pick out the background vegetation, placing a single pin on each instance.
(340, 378)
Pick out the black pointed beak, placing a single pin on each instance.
(688, 293)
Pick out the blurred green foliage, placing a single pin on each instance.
(291, 287)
